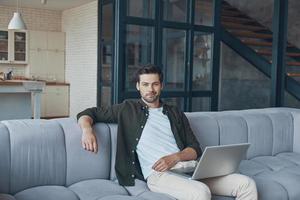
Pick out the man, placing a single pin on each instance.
(154, 137)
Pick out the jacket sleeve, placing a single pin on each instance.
(107, 114)
(190, 139)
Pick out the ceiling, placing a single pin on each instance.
(50, 4)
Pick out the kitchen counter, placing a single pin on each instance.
(20, 99)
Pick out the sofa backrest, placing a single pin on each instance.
(49, 152)
(270, 131)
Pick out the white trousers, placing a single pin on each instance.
(236, 185)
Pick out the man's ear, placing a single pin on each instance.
(137, 86)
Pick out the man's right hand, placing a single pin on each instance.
(89, 140)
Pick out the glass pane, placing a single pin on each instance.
(202, 61)
(141, 8)
(20, 46)
(290, 100)
(138, 51)
(204, 10)
(242, 86)
(106, 96)
(3, 45)
(174, 58)
(107, 52)
(175, 101)
(201, 104)
(175, 10)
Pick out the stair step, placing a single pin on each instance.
(268, 53)
(293, 74)
(290, 63)
(250, 34)
(244, 27)
(236, 19)
(259, 43)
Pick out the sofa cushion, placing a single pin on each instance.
(268, 132)
(47, 193)
(5, 159)
(82, 164)
(97, 188)
(277, 177)
(38, 154)
(119, 197)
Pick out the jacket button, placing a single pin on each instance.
(132, 151)
(133, 163)
(132, 175)
(142, 126)
(137, 139)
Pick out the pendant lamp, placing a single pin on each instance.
(17, 22)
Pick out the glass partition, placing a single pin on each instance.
(139, 50)
(141, 8)
(174, 42)
(204, 12)
(202, 61)
(175, 10)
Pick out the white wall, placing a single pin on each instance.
(80, 26)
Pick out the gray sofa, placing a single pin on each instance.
(43, 159)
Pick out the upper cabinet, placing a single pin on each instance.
(13, 47)
(51, 41)
(47, 55)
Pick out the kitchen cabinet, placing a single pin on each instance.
(13, 47)
(55, 101)
(47, 55)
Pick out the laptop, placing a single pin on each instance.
(218, 161)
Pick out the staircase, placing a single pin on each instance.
(253, 42)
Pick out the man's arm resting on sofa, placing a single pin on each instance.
(88, 139)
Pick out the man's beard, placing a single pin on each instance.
(152, 99)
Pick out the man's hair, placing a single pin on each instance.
(149, 69)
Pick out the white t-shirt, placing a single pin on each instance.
(157, 140)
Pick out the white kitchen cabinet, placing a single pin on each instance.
(56, 41)
(55, 66)
(55, 101)
(38, 66)
(13, 47)
(47, 55)
(37, 40)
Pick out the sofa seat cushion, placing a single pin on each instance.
(97, 188)
(277, 177)
(46, 193)
(119, 197)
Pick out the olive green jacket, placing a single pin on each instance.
(131, 117)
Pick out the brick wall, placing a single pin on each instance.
(80, 26)
(35, 19)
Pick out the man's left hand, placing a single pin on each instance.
(165, 163)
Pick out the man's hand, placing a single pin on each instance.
(89, 140)
(165, 163)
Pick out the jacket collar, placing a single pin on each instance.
(145, 107)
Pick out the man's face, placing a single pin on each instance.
(150, 87)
